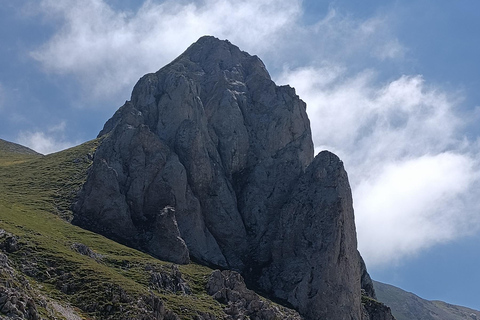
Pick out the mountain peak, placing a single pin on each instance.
(214, 54)
(210, 160)
(209, 47)
(211, 42)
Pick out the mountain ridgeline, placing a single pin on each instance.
(211, 161)
(408, 306)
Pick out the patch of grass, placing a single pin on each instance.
(182, 305)
(197, 276)
(32, 187)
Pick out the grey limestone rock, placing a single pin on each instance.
(209, 135)
(168, 280)
(374, 310)
(86, 251)
(208, 161)
(228, 287)
(367, 284)
(16, 298)
(315, 259)
(129, 197)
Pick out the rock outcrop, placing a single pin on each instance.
(228, 288)
(211, 161)
(375, 310)
(16, 300)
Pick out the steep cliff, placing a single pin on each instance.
(211, 161)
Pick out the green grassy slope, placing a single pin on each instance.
(46, 183)
(9, 148)
(114, 282)
(408, 306)
(11, 153)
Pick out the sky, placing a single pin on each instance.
(392, 87)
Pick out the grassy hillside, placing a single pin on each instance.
(408, 306)
(70, 273)
(11, 153)
(46, 183)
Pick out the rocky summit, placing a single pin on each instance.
(211, 161)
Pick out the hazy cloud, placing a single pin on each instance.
(341, 36)
(108, 50)
(48, 141)
(413, 174)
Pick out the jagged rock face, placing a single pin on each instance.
(366, 282)
(315, 263)
(16, 298)
(209, 135)
(374, 310)
(128, 197)
(228, 287)
(208, 160)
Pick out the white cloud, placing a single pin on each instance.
(48, 141)
(342, 36)
(412, 173)
(403, 116)
(108, 50)
(412, 205)
(390, 50)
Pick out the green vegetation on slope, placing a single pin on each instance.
(47, 183)
(11, 153)
(408, 306)
(113, 281)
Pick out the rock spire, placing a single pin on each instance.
(211, 161)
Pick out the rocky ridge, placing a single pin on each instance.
(211, 161)
(228, 287)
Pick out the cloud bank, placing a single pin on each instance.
(108, 50)
(413, 174)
